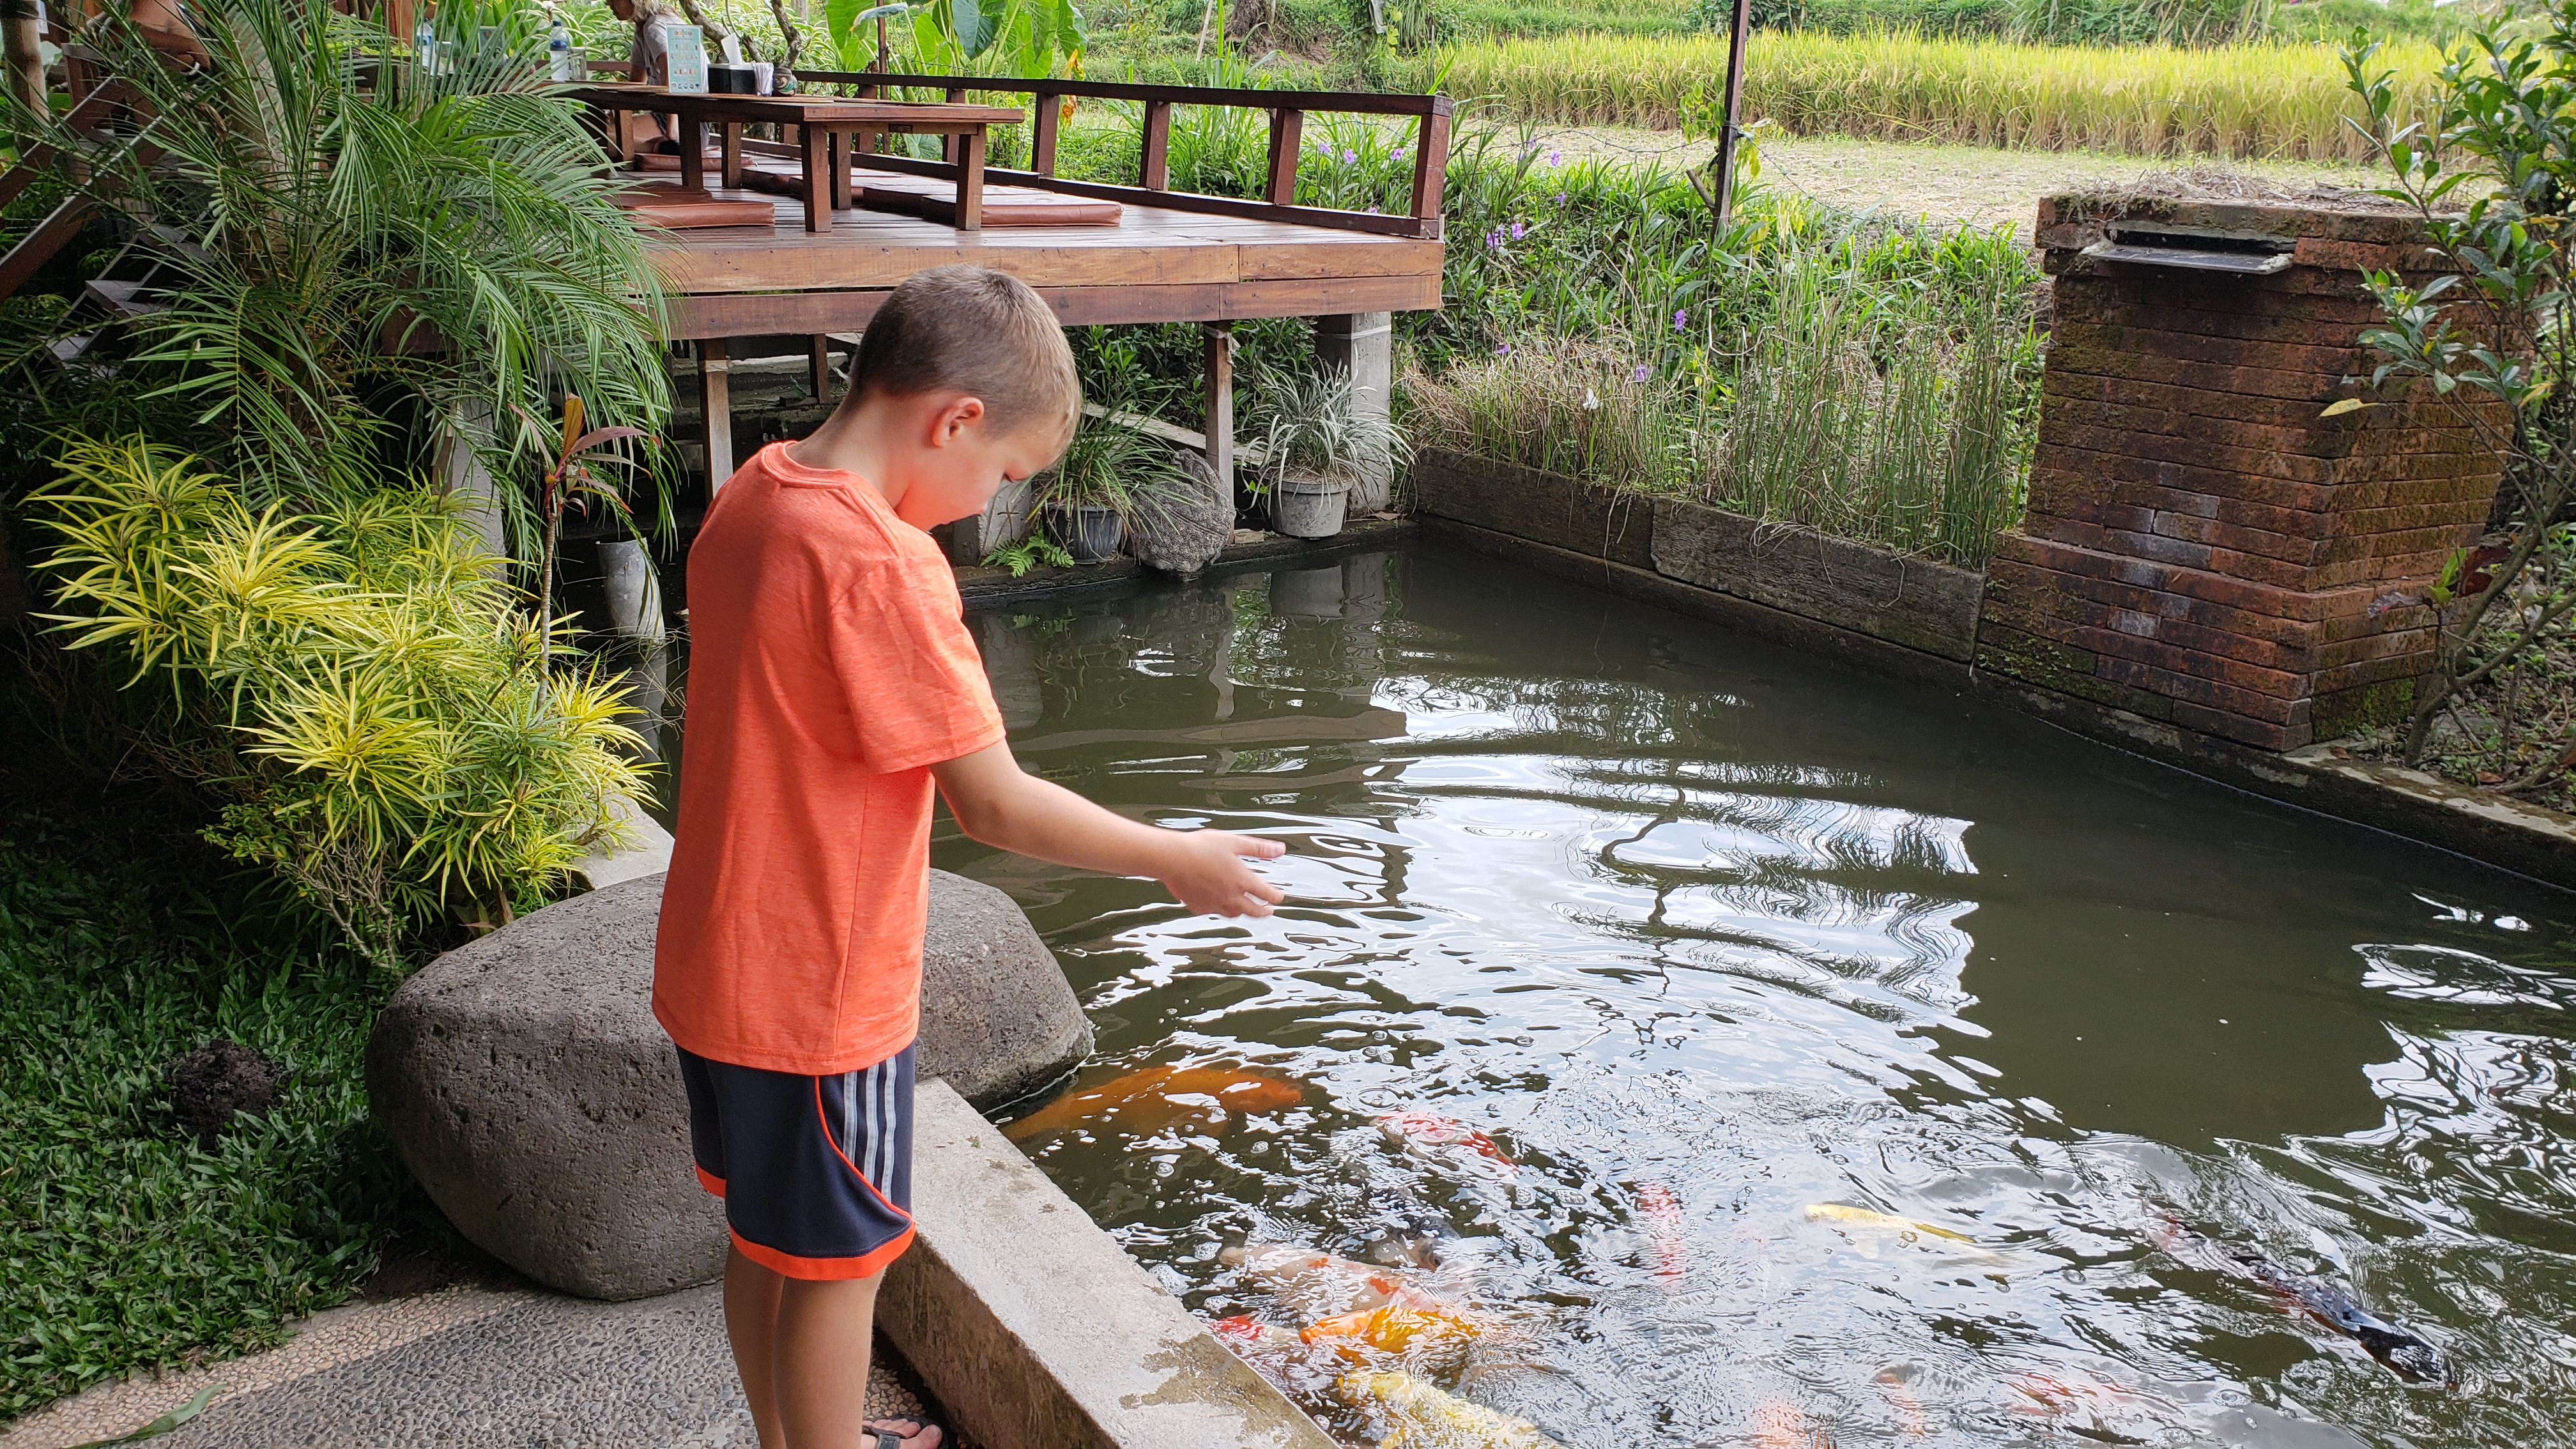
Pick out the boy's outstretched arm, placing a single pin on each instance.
(1005, 807)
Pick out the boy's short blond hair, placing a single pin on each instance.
(977, 331)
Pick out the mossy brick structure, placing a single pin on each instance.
(2203, 545)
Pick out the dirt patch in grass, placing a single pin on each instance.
(1955, 185)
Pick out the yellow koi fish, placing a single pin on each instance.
(1429, 1418)
(1818, 1212)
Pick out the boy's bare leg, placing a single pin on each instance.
(802, 1349)
(751, 1324)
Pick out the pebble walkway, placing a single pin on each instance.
(463, 1367)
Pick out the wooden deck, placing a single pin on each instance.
(1155, 265)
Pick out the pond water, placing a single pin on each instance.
(1703, 934)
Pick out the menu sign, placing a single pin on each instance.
(688, 58)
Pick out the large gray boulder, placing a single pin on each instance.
(525, 1083)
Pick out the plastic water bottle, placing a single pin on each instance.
(559, 51)
(424, 42)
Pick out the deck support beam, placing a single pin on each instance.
(715, 400)
(1220, 402)
(1364, 343)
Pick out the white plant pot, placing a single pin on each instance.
(1305, 506)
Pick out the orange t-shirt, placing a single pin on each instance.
(829, 668)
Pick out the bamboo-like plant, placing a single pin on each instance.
(362, 255)
(399, 752)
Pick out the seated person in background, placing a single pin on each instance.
(650, 56)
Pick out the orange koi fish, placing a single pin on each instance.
(1777, 1424)
(1145, 1102)
(1390, 1329)
(1418, 1129)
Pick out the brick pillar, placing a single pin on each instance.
(2201, 546)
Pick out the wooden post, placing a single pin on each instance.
(1220, 402)
(819, 364)
(1431, 167)
(715, 399)
(970, 180)
(815, 143)
(1045, 115)
(1155, 174)
(1287, 133)
(19, 35)
(693, 153)
(1727, 131)
(948, 144)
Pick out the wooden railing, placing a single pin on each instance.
(1288, 111)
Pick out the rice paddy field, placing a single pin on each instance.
(2269, 99)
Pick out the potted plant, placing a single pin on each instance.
(1105, 475)
(1315, 445)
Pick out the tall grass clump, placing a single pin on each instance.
(1866, 378)
(2260, 100)
(1890, 415)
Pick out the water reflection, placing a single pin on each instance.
(1703, 935)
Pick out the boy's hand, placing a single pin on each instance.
(1207, 874)
(1001, 805)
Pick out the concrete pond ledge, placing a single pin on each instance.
(1037, 1331)
(1798, 572)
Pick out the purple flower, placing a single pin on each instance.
(1349, 157)
(1640, 374)
(1560, 198)
(1519, 231)
(1494, 239)
(1502, 349)
(1372, 208)
(1680, 316)
(1555, 158)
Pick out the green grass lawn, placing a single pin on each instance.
(124, 1243)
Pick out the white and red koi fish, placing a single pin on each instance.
(1420, 1131)
(1325, 1285)
(1663, 1213)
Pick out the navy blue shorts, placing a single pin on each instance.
(815, 1172)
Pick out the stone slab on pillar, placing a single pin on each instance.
(2202, 545)
(1364, 343)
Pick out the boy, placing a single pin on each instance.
(831, 684)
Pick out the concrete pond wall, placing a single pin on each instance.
(1928, 622)
(1781, 582)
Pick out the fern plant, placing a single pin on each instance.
(359, 255)
(398, 751)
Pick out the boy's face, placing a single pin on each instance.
(964, 463)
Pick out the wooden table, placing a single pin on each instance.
(829, 129)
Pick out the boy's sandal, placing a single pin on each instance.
(894, 1439)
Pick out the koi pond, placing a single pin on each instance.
(1773, 1055)
(1702, 936)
